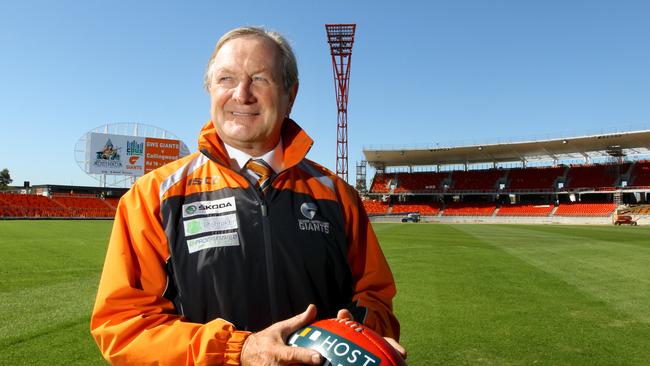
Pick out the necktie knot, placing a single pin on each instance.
(263, 172)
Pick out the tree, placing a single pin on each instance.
(5, 179)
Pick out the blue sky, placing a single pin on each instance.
(423, 72)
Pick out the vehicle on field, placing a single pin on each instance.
(621, 218)
(412, 217)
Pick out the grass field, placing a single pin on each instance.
(468, 294)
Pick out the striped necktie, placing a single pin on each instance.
(263, 172)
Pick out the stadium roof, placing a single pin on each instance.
(584, 147)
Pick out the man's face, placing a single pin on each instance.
(248, 98)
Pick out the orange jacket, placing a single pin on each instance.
(198, 259)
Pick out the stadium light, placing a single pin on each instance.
(341, 38)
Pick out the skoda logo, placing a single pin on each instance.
(190, 209)
(308, 210)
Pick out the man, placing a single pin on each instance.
(212, 256)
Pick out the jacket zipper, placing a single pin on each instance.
(268, 249)
(268, 243)
(270, 270)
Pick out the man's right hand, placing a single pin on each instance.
(346, 314)
(269, 346)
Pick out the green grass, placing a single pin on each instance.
(468, 294)
(49, 272)
(521, 295)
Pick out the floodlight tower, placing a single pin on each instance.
(340, 38)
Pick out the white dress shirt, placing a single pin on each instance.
(238, 159)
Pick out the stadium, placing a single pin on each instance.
(531, 181)
(531, 252)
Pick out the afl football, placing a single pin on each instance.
(344, 342)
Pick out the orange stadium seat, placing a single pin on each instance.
(585, 209)
(469, 209)
(420, 181)
(425, 209)
(375, 207)
(595, 176)
(533, 178)
(380, 183)
(525, 210)
(481, 180)
(30, 205)
(85, 206)
(112, 202)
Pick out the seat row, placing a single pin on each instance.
(594, 176)
(374, 207)
(29, 205)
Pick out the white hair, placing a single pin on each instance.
(287, 57)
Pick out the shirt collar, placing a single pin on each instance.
(274, 158)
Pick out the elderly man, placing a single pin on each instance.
(216, 258)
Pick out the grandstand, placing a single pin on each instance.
(57, 201)
(585, 176)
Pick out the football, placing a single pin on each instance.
(346, 343)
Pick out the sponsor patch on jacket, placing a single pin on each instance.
(202, 225)
(213, 241)
(209, 207)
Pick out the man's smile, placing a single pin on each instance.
(244, 114)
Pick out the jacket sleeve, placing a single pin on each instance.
(374, 286)
(132, 323)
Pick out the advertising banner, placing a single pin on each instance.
(129, 155)
(160, 152)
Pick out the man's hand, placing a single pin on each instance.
(269, 346)
(346, 314)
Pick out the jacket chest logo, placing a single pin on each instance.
(214, 207)
(209, 180)
(309, 211)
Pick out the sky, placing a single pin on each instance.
(423, 73)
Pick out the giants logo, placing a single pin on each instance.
(309, 211)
